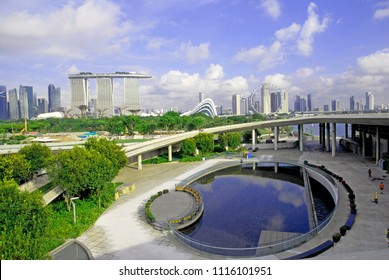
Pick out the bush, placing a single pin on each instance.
(336, 237)
(343, 230)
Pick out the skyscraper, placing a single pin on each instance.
(201, 97)
(23, 102)
(42, 106)
(352, 103)
(131, 95)
(79, 88)
(104, 89)
(310, 102)
(54, 96)
(236, 104)
(335, 104)
(369, 101)
(3, 103)
(265, 98)
(13, 104)
(243, 106)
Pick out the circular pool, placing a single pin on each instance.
(246, 207)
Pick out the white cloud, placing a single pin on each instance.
(311, 26)
(382, 12)
(376, 63)
(288, 33)
(71, 31)
(192, 54)
(307, 71)
(215, 71)
(271, 7)
(287, 41)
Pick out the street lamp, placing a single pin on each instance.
(74, 207)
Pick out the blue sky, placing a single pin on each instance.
(332, 49)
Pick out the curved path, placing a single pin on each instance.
(122, 232)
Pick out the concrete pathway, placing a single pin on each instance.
(122, 232)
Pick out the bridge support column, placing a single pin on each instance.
(346, 131)
(333, 139)
(328, 137)
(276, 137)
(169, 153)
(253, 138)
(276, 164)
(363, 136)
(321, 135)
(301, 137)
(139, 162)
(377, 146)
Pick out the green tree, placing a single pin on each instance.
(23, 223)
(37, 154)
(14, 166)
(188, 147)
(233, 139)
(116, 125)
(108, 149)
(204, 142)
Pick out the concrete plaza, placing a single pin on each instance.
(122, 232)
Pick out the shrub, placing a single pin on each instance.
(336, 237)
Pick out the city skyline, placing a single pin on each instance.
(220, 48)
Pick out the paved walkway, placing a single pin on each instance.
(122, 232)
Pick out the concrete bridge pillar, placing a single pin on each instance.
(169, 153)
(333, 139)
(346, 131)
(377, 145)
(139, 162)
(253, 138)
(363, 136)
(301, 137)
(276, 137)
(328, 137)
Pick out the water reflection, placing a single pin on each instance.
(238, 207)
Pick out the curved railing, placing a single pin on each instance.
(268, 249)
(194, 216)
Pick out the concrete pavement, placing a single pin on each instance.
(122, 232)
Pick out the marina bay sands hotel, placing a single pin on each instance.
(80, 92)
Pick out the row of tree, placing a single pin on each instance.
(126, 124)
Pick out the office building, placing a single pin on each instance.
(369, 103)
(201, 97)
(3, 103)
(243, 106)
(236, 104)
(310, 103)
(326, 108)
(352, 103)
(23, 102)
(42, 106)
(335, 105)
(300, 104)
(54, 96)
(266, 99)
(13, 105)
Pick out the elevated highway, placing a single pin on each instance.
(367, 131)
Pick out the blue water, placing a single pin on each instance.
(238, 207)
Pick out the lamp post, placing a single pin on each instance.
(74, 208)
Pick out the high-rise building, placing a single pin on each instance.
(79, 88)
(265, 98)
(201, 97)
(104, 89)
(275, 101)
(369, 101)
(243, 106)
(3, 103)
(54, 95)
(13, 105)
(42, 106)
(236, 104)
(300, 104)
(352, 103)
(310, 102)
(23, 102)
(131, 95)
(326, 108)
(335, 105)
